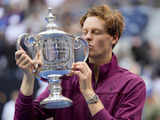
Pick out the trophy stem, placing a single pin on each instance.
(55, 87)
(55, 99)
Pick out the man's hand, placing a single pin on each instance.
(29, 66)
(82, 70)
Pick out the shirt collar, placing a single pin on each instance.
(107, 69)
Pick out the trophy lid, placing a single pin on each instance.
(51, 27)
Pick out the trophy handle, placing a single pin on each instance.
(81, 49)
(27, 42)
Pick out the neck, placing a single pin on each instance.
(100, 60)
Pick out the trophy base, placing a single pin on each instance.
(56, 102)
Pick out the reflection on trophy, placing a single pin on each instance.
(58, 51)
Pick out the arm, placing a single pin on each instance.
(84, 73)
(27, 65)
(128, 109)
(26, 108)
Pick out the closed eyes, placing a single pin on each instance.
(94, 32)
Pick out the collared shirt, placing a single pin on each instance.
(121, 92)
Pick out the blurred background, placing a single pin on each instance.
(137, 49)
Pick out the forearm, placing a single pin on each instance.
(23, 107)
(97, 109)
(27, 85)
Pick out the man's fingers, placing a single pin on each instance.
(80, 66)
(78, 73)
(37, 65)
(38, 55)
(19, 53)
(25, 66)
(24, 62)
(23, 58)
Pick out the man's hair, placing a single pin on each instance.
(114, 21)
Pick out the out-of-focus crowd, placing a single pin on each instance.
(137, 50)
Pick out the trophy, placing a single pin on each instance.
(58, 50)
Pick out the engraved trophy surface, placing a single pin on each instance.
(58, 51)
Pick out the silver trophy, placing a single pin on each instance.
(58, 50)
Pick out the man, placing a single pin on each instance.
(100, 89)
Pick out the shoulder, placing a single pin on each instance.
(123, 80)
(128, 76)
(129, 80)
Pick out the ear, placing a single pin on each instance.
(115, 40)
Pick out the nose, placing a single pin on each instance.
(88, 36)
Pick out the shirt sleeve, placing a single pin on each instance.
(129, 108)
(27, 109)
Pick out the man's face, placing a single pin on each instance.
(100, 43)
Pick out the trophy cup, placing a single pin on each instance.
(58, 51)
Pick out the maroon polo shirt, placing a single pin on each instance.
(121, 92)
